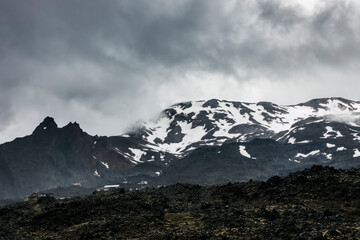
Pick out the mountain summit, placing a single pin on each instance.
(46, 124)
(202, 142)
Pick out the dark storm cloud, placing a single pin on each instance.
(335, 39)
(103, 61)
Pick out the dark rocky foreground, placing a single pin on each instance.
(318, 203)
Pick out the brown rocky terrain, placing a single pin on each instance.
(317, 203)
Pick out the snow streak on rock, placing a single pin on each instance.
(243, 152)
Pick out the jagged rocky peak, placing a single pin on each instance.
(74, 126)
(49, 124)
(46, 124)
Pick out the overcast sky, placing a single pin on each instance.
(107, 64)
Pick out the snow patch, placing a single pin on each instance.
(191, 135)
(112, 186)
(137, 154)
(338, 134)
(356, 153)
(356, 137)
(312, 153)
(341, 149)
(243, 152)
(297, 161)
(292, 140)
(329, 145)
(105, 164)
(96, 174)
(152, 159)
(330, 131)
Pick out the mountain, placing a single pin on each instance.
(52, 157)
(208, 142)
(200, 142)
(186, 126)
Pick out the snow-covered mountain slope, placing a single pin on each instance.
(202, 142)
(185, 126)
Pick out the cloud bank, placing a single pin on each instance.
(106, 64)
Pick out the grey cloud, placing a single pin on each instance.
(279, 16)
(109, 57)
(345, 118)
(335, 39)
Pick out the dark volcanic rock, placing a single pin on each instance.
(318, 203)
(46, 125)
(271, 108)
(213, 103)
(52, 157)
(247, 128)
(174, 135)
